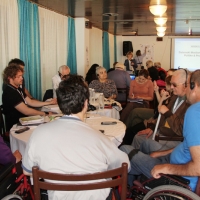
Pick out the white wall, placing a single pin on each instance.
(162, 49)
(96, 55)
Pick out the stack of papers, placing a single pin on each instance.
(53, 108)
(37, 119)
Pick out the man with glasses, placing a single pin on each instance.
(171, 124)
(63, 71)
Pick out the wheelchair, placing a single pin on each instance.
(167, 187)
(14, 184)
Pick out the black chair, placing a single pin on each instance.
(48, 94)
(123, 96)
(120, 172)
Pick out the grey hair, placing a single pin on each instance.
(99, 68)
(63, 67)
(182, 73)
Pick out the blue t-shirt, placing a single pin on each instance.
(191, 134)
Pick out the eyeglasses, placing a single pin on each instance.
(175, 84)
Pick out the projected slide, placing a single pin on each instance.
(187, 53)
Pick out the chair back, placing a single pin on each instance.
(121, 181)
(122, 96)
(48, 94)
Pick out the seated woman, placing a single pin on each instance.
(132, 127)
(90, 76)
(104, 85)
(140, 88)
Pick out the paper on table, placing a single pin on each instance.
(31, 120)
(53, 108)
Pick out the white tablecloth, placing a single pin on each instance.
(112, 112)
(114, 132)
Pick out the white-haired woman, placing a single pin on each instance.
(104, 85)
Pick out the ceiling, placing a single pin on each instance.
(133, 15)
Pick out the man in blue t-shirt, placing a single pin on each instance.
(185, 158)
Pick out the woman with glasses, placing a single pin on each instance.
(103, 84)
(141, 92)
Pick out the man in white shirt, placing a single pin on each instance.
(63, 71)
(70, 146)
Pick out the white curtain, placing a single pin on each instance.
(9, 34)
(53, 45)
(111, 45)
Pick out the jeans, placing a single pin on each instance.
(161, 145)
(142, 163)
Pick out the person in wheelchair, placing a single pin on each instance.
(184, 159)
(6, 155)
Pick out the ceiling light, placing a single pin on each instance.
(158, 9)
(160, 20)
(160, 34)
(161, 28)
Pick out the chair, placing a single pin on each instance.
(121, 181)
(123, 93)
(48, 94)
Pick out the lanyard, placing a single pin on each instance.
(20, 92)
(176, 105)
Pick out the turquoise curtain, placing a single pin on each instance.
(115, 48)
(106, 53)
(30, 46)
(71, 48)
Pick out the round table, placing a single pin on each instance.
(112, 112)
(114, 132)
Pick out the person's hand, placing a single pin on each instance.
(162, 109)
(155, 154)
(53, 101)
(158, 170)
(17, 155)
(164, 95)
(155, 86)
(147, 132)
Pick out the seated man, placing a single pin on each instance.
(14, 98)
(63, 71)
(73, 147)
(22, 65)
(185, 158)
(121, 78)
(172, 115)
(6, 155)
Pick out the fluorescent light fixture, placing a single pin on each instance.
(160, 34)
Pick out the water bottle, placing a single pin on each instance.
(101, 101)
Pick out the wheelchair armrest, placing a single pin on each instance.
(168, 138)
(5, 170)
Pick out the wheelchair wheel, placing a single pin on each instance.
(170, 192)
(12, 197)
